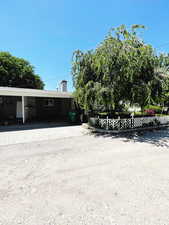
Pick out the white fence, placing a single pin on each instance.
(130, 123)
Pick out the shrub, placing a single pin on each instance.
(156, 108)
(150, 112)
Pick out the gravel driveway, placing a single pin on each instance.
(62, 176)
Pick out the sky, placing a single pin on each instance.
(47, 32)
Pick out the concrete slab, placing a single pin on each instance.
(37, 132)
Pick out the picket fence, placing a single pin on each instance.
(129, 123)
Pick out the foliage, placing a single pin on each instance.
(150, 112)
(119, 70)
(156, 108)
(17, 72)
(160, 85)
(163, 60)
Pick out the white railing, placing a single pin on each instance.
(129, 123)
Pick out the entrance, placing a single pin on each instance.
(19, 110)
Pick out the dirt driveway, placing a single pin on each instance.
(63, 176)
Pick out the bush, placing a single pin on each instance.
(156, 108)
(150, 112)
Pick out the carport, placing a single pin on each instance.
(26, 104)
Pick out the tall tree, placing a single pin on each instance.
(17, 72)
(120, 69)
(161, 82)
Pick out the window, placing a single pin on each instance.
(49, 102)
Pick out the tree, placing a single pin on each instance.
(161, 82)
(120, 69)
(17, 72)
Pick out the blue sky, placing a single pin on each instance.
(46, 32)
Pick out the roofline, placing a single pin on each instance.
(11, 91)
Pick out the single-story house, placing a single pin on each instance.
(22, 105)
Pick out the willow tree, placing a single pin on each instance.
(120, 69)
(161, 83)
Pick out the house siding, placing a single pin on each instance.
(8, 107)
(58, 111)
(35, 109)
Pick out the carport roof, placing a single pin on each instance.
(10, 91)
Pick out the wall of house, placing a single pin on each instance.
(56, 109)
(30, 108)
(53, 109)
(8, 107)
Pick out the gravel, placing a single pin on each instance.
(64, 176)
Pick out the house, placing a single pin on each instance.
(22, 105)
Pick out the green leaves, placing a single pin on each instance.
(121, 68)
(17, 72)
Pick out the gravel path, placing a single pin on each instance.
(72, 178)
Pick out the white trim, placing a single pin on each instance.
(9, 91)
(23, 109)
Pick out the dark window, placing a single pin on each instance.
(49, 102)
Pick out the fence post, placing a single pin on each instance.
(113, 123)
(142, 122)
(119, 123)
(107, 123)
(132, 121)
(98, 120)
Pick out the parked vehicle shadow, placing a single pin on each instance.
(159, 138)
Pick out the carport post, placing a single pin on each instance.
(23, 109)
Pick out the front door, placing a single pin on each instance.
(19, 109)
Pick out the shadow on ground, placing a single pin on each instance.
(159, 138)
(32, 126)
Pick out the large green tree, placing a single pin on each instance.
(120, 69)
(17, 72)
(162, 82)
